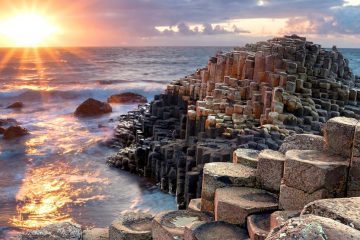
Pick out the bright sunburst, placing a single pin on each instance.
(28, 29)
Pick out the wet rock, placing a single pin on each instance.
(235, 204)
(127, 98)
(92, 107)
(2, 130)
(217, 231)
(313, 227)
(96, 234)
(15, 132)
(58, 231)
(344, 210)
(131, 226)
(16, 105)
(171, 225)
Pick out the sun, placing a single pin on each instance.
(28, 29)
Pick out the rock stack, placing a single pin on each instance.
(251, 98)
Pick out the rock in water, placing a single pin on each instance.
(127, 97)
(59, 231)
(16, 105)
(92, 107)
(15, 132)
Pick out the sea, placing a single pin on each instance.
(59, 171)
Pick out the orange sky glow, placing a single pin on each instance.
(33, 23)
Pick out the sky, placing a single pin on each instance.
(189, 22)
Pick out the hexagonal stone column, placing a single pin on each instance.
(235, 204)
(339, 135)
(353, 187)
(216, 231)
(219, 175)
(310, 175)
(171, 225)
(195, 204)
(258, 226)
(270, 169)
(247, 157)
(131, 226)
(278, 218)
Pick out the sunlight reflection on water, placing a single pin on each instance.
(47, 191)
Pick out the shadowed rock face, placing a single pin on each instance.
(92, 107)
(127, 98)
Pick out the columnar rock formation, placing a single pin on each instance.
(250, 98)
(263, 143)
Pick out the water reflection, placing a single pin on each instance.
(48, 194)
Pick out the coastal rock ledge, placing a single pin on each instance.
(262, 143)
(127, 98)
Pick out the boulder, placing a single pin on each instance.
(235, 204)
(132, 225)
(58, 231)
(15, 132)
(92, 107)
(16, 105)
(313, 227)
(344, 210)
(127, 98)
(2, 130)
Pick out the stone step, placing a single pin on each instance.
(313, 227)
(171, 225)
(219, 175)
(246, 157)
(132, 225)
(215, 231)
(310, 175)
(344, 210)
(273, 161)
(96, 234)
(258, 226)
(235, 204)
